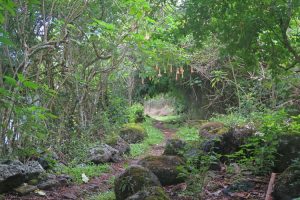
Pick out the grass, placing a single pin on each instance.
(231, 119)
(89, 170)
(155, 136)
(110, 195)
(168, 118)
(188, 134)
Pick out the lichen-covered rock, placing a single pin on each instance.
(103, 153)
(165, 168)
(33, 170)
(228, 142)
(133, 133)
(212, 128)
(175, 147)
(150, 193)
(287, 185)
(232, 140)
(287, 151)
(25, 189)
(134, 179)
(47, 184)
(14, 173)
(118, 143)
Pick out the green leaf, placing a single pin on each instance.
(6, 41)
(21, 78)
(10, 81)
(34, 2)
(31, 85)
(105, 25)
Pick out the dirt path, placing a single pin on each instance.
(99, 184)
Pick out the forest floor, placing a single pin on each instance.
(213, 189)
(100, 184)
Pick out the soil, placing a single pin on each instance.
(213, 188)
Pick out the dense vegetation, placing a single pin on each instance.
(73, 74)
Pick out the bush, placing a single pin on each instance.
(260, 150)
(136, 113)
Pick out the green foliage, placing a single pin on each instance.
(188, 134)
(134, 127)
(231, 119)
(89, 170)
(136, 113)
(254, 30)
(155, 136)
(168, 118)
(260, 150)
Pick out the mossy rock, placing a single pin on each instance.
(133, 180)
(288, 150)
(118, 143)
(133, 133)
(228, 142)
(212, 128)
(287, 185)
(175, 147)
(150, 193)
(166, 168)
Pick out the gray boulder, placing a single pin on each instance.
(288, 150)
(121, 145)
(14, 173)
(287, 184)
(103, 154)
(166, 168)
(51, 181)
(33, 169)
(175, 147)
(228, 142)
(133, 180)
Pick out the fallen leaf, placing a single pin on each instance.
(84, 178)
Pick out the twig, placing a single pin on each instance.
(270, 187)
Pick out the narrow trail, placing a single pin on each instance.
(103, 183)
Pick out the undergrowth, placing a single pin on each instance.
(188, 134)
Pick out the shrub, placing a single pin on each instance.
(136, 113)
